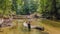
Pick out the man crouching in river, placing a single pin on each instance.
(29, 26)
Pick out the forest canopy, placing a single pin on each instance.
(48, 8)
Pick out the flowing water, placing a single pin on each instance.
(20, 29)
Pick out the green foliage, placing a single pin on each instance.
(29, 6)
(48, 8)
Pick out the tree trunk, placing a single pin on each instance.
(55, 8)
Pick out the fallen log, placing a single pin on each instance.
(33, 26)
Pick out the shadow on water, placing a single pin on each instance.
(25, 31)
(42, 32)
